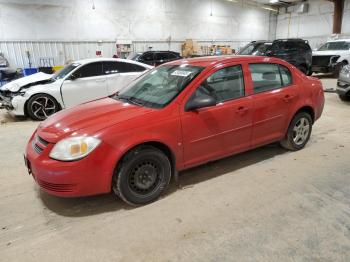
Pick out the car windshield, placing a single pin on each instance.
(339, 45)
(254, 49)
(134, 56)
(65, 71)
(160, 86)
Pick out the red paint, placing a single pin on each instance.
(194, 137)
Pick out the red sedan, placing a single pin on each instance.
(179, 115)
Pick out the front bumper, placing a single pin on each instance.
(343, 88)
(91, 175)
(331, 68)
(15, 105)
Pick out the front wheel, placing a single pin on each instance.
(299, 132)
(142, 175)
(345, 98)
(41, 106)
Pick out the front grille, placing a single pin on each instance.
(39, 144)
(321, 60)
(65, 188)
(42, 141)
(37, 148)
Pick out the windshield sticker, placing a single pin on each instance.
(181, 73)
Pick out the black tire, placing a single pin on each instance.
(309, 72)
(297, 136)
(142, 175)
(41, 106)
(345, 98)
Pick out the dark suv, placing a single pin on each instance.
(154, 58)
(295, 51)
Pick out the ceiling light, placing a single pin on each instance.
(273, 1)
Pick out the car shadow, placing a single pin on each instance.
(5, 117)
(88, 206)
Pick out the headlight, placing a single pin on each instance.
(74, 148)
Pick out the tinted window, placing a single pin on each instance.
(162, 56)
(147, 57)
(223, 85)
(255, 49)
(339, 45)
(89, 70)
(120, 67)
(268, 77)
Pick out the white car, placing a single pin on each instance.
(41, 95)
(331, 56)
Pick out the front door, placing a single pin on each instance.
(88, 83)
(216, 131)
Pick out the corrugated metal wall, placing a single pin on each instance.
(63, 51)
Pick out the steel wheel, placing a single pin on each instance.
(144, 178)
(42, 106)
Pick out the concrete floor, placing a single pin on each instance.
(263, 205)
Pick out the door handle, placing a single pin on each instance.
(287, 98)
(242, 110)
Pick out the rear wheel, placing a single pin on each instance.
(299, 132)
(142, 175)
(41, 106)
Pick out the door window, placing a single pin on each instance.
(268, 77)
(89, 70)
(162, 56)
(225, 84)
(120, 67)
(147, 57)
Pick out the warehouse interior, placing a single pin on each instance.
(261, 204)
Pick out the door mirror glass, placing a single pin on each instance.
(200, 101)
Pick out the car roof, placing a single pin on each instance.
(207, 61)
(103, 59)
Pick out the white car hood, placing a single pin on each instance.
(330, 52)
(15, 85)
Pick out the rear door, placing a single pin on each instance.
(89, 83)
(119, 74)
(275, 95)
(148, 58)
(213, 132)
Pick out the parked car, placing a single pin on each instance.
(179, 115)
(331, 56)
(154, 58)
(41, 95)
(295, 51)
(343, 85)
(7, 73)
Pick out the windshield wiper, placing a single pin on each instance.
(130, 100)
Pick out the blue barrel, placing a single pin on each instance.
(29, 71)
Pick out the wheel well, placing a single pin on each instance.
(309, 110)
(162, 147)
(26, 103)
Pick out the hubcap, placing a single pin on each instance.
(144, 178)
(301, 131)
(43, 107)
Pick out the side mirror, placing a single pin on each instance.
(200, 102)
(72, 77)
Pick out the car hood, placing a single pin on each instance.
(16, 85)
(330, 52)
(88, 118)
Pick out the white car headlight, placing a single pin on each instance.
(74, 148)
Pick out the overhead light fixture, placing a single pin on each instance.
(270, 8)
(274, 1)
